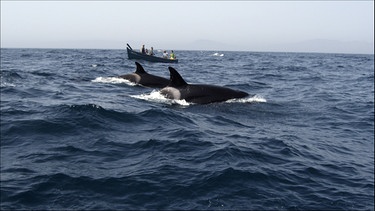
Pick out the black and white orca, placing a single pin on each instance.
(141, 77)
(178, 89)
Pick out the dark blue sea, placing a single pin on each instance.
(75, 137)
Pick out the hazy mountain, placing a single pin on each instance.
(328, 46)
(313, 46)
(207, 45)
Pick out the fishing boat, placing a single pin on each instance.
(141, 56)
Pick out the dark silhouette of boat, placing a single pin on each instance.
(141, 56)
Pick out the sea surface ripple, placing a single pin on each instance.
(73, 136)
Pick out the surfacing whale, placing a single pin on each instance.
(141, 77)
(178, 89)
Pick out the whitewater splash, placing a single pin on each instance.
(6, 84)
(113, 80)
(218, 54)
(97, 65)
(253, 99)
(156, 96)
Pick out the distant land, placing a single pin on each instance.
(329, 46)
(209, 45)
(309, 46)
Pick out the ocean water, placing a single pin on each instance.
(73, 136)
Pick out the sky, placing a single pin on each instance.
(265, 26)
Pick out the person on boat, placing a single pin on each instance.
(173, 56)
(165, 55)
(151, 52)
(143, 50)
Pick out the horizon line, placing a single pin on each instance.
(255, 51)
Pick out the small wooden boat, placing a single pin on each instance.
(138, 55)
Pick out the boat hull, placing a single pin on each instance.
(140, 56)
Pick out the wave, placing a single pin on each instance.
(8, 77)
(93, 115)
(171, 186)
(63, 120)
(6, 84)
(113, 80)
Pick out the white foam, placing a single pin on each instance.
(218, 54)
(253, 99)
(5, 84)
(113, 80)
(156, 96)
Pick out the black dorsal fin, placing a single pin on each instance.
(175, 78)
(140, 69)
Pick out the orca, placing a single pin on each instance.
(178, 89)
(141, 77)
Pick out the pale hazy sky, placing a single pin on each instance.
(325, 26)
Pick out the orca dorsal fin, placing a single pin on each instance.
(175, 78)
(140, 69)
